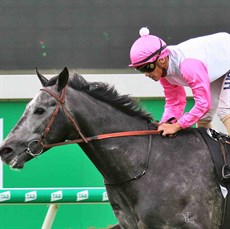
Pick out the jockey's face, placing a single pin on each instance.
(159, 71)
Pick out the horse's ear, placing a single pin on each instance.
(42, 78)
(62, 79)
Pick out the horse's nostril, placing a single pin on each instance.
(5, 151)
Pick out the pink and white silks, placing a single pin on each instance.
(202, 64)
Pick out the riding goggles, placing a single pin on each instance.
(149, 67)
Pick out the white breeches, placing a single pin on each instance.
(220, 92)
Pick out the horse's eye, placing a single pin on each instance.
(39, 111)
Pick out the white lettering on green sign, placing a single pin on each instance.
(82, 195)
(4, 196)
(30, 196)
(56, 196)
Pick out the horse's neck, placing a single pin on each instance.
(119, 158)
(98, 117)
(110, 156)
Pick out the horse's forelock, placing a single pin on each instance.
(52, 81)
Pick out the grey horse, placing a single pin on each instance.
(153, 182)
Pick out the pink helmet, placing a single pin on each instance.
(147, 48)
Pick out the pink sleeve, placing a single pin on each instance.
(175, 100)
(196, 76)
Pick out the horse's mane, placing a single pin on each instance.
(106, 93)
(109, 94)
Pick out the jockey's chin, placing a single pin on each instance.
(151, 75)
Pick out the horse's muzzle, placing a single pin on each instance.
(9, 157)
(6, 154)
(16, 160)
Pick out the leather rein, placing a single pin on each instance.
(61, 104)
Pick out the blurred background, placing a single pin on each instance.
(97, 34)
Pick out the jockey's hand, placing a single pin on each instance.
(169, 129)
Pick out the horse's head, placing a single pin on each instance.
(40, 123)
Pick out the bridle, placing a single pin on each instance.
(61, 104)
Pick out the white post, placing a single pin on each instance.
(50, 216)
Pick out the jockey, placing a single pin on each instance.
(202, 63)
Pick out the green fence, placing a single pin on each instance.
(53, 195)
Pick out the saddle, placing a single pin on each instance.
(219, 147)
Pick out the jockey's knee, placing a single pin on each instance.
(206, 120)
(225, 118)
(206, 123)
